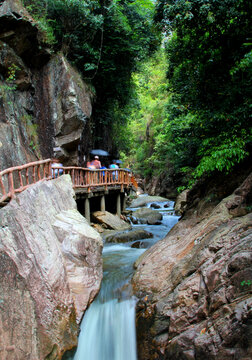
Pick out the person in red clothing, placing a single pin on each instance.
(96, 162)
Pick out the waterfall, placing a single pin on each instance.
(108, 327)
(109, 331)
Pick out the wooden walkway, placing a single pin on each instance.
(16, 179)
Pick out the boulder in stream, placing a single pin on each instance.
(121, 237)
(147, 216)
(146, 199)
(110, 221)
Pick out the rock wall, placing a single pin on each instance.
(51, 270)
(64, 98)
(195, 285)
(44, 103)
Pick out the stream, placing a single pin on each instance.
(108, 327)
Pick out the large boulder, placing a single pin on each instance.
(147, 216)
(51, 270)
(195, 286)
(127, 236)
(110, 221)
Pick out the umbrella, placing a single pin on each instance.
(99, 152)
(118, 161)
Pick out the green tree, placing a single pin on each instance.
(148, 109)
(209, 72)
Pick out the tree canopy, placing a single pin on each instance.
(206, 126)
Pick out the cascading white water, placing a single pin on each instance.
(108, 328)
(109, 332)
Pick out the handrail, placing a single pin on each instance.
(18, 178)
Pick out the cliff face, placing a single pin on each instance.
(44, 104)
(195, 285)
(51, 270)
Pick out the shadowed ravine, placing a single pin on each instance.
(108, 328)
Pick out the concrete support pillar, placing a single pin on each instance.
(124, 202)
(87, 209)
(118, 205)
(103, 203)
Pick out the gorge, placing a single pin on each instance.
(183, 293)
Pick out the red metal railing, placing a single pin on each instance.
(19, 178)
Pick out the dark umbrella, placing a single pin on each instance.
(99, 152)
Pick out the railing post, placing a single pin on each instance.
(20, 178)
(106, 180)
(27, 176)
(88, 180)
(50, 169)
(2, 186)
(11, 185)
(72, 176)
(34, 174)
(38, 172)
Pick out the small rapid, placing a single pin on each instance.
(108, 328)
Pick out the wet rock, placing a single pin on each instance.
(110, 221)
(128, 236)
(155, 206)
(167, 205)
(133, 220)
(147, 216)
(145, 199)
(153, 221)
(137, 244)
(51, 269)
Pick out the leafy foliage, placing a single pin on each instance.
(209, 71)
(206, 126)
(147, 111)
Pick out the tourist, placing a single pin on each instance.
(103, 173)
(90, 166)
(56, 172)
(114, 173)
(96, 162)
